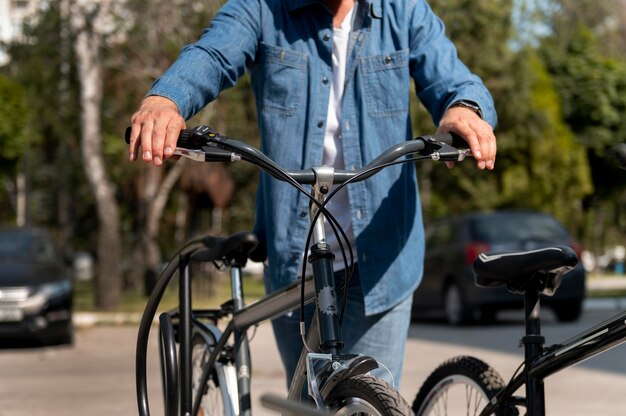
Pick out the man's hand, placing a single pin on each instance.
(155, 127)
(477, 132)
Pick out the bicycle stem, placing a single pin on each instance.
(321, 259)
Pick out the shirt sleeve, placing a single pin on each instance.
(440, 77)
(216, 61)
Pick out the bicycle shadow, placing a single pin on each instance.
(504, 333)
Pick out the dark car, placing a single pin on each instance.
(452, 244)
(35, 288)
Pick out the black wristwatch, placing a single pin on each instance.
(468, 104)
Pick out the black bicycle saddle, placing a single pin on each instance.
(235, 249)
(519, 270)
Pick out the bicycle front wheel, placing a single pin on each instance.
(213, 401)
(461, 386)
(366, 395)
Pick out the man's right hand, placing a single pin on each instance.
(155, 128)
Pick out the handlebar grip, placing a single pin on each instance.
(450, 139)
(187, 139)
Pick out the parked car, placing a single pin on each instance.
(35, 288)
(452, 244)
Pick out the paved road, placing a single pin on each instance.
(96, 376)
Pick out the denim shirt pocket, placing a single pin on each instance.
(386, 83)
(284, 79)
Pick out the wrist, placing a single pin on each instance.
(157, 101)
(470, 105)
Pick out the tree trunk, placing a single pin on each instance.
(147, 254)
(87, 48)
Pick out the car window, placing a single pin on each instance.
(15, 244)
(504, 228)
(439, 234)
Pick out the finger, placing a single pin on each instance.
(472, 140)
(171, 136)
(493, 147)
(146, 141)
(487, 143)
(158, 138)
(133, 148)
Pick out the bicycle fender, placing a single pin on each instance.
(361, 364)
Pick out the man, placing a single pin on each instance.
(331, 80)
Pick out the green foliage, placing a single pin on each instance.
(539, 164)
(551, 172)
(586, 56)
(12, 124)
(592, 89)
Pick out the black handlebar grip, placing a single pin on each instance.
(127, 135)
(450, 139)
(188, 139)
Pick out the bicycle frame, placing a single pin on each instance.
(542, 362)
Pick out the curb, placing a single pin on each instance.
(89, 319)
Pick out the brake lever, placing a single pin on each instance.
(208, 154)
(193, 154)
(446, 152)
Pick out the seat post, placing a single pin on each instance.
(533, 344)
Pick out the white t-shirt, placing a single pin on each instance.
(339, 205)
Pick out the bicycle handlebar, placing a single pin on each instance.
(201, 143)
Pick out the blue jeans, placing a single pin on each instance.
(381, 336)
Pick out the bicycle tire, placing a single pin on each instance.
(213, 399)
(460, 386)
(366, 395)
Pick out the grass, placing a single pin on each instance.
(616, 287)
(204, 295)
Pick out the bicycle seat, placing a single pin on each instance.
(542, 269)
(235, 249)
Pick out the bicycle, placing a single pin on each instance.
(467, 385)
(209, 373)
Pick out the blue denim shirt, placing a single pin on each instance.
(286, 46)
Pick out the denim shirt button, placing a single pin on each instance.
(326, 37)
(320, 124)
(302, 214)
(325, 80)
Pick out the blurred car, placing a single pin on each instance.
(452, 244)
(35, 288)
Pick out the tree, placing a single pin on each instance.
(539, 164)
(13, 145)
(157, 33)
(584, 54)
(480, 31)
(51, 116)
(91, 23)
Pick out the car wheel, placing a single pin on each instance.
(456, 310)
(488, 314)
(67, 336)
(568, 310)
